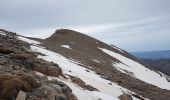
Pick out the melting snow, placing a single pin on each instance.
(28, 40)
(80, 93)
(66, 46)
(107, 92)
(139, 70)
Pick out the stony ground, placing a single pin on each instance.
(19, 73)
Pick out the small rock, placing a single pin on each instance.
(51, 95)
(36, 93)
(21, 95)
(56, 87)
(87, 71)
(66, 89)
(61, 97)
(16, 67)
(1, 67)
(125, 96)
(2, 62)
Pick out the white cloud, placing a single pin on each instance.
(112, 21)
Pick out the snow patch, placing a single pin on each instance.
(27, 40)
(139, 71)
(96, 61)
(66, 46)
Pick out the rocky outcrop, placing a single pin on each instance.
(81, 83)
(51, 69)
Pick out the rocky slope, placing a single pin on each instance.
(19, 66)
(88, 69)
(97, 56)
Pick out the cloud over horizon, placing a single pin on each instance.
(134, 25)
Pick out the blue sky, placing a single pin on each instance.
(134, 25)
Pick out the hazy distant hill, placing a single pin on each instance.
(157, 59)
(152, 54)
(162, 65)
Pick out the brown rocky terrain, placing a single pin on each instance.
(19, 66)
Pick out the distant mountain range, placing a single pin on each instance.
(153, 54)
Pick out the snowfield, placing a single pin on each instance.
(138, 70)
(69, 66)
(89, 78)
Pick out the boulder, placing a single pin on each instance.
(2, 62)
(125, 96)
(81, 83)
(47, 70)
(6, 50)
(10, 85)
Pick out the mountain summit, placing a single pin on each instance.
(72, 65)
